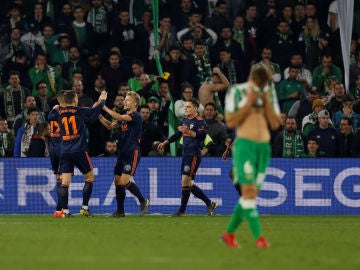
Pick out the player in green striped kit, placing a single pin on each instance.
(251, 108)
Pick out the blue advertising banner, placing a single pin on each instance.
(292, 186)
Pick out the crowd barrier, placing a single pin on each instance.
(292, 187)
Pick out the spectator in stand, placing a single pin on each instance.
(272, 68)
(281, 44)
(215, 129)
(110, 149)
(150, 133)
(180, 13)
(290, 90)
(123, 89)
(327, 135)
(144, 28)
(39, 145)
(7, 52)
(14, 20)
(73, 64)
(219, 17)
(39, 15)
(197, 69)
(323, 72)
(199, 32)
(346, 136)
(304, 106)
(21, 118)
(310, 120)
(125, 35)
(304, 75)
(83, 99)
(62, 22)
(82, 32)
(312, 148)
(113, 74)
(289, 142)
(187, 47)
(98, 18)
(42, 101)
(173, 64)
(21, 65)
(138, 69)
(153, 103)
(24, 135)
(335, 102)
(232, 69)
(187, 92)
(12, 98)
(92, 69)
(41, 71)
(166, 106)
(298, 23)
(166, 38)
(208, 91)
(6, 140)
(226, 40)
(58, 48)
(245, 40)
(32, 38)
(252, 24)
(347, 111)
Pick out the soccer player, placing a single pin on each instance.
(129, 152)
(193, 130)
(71, 120)
(250, 108)
(54, 153)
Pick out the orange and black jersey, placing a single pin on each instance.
(71, 120)
(131, 134)
(192, 146)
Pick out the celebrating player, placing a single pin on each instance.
(193, 130)
(71, 120)
(129, 152)
(250, 108)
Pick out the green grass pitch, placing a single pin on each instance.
(159, 242)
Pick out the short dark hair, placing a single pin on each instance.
(194, 102)
(32, 109)
(349, 119)
(210, 104)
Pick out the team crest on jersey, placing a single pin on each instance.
(127, 167)
(187, 168)
(191, 126)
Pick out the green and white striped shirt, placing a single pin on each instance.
(236, 97)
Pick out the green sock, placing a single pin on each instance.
(252, 216)
(236, 219)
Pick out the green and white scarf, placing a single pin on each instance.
(9, 102)
(204, 68)
(293, 146)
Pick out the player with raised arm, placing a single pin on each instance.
(129, 152)
(193, 130)
(251, 108)
(71, 120)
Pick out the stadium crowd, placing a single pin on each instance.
(205, 45)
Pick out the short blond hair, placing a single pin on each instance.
(135, 96)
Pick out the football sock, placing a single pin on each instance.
(185, 194)
(235, 220)
(64, 195)
(87, 190)
(58, 188)
(200, 194)
(134, 189)
(252, 216)
(120, 198)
